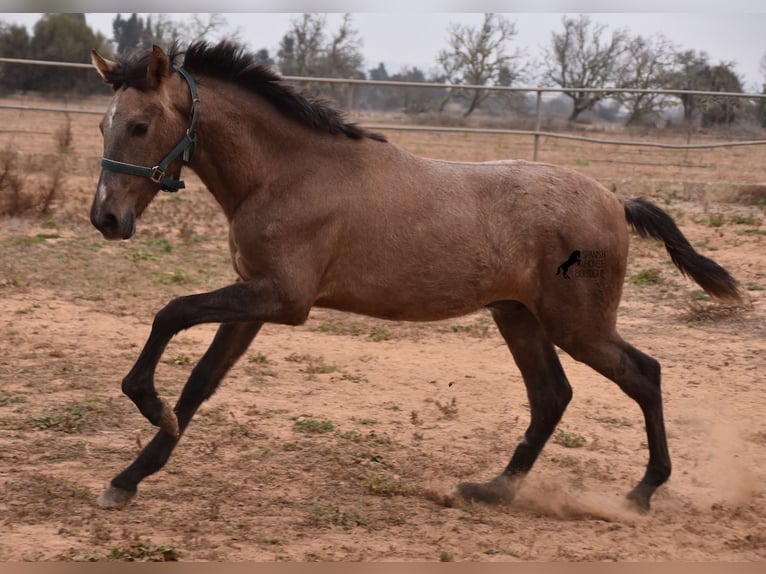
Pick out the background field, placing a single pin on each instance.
(343, 439)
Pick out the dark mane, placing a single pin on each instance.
(229, 61)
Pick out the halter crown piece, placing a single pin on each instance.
(158, 173)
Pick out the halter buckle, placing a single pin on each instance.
(157, 174)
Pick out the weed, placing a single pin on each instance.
(614, 421)
(178, 360)
(699, 295)
(139, 255)
(145, 551)
(646, 277)
(313, 426)
(461, 328)
(260, 359)
(70, 419)
(753, 287)
(449, 411)
(715, 220)
(177, 276)
(385, 486)
(744, 220)
(569, 439)
(331, 515)
(63, 136)
(337, 328)
(159, 244)
(446, 557)
(366, 422)
(380, 334)
(11, 399)
(582, 162)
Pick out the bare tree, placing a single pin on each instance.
(300, 49)
(583, 57)
(305, 50)
(480, 56)
(646, 66)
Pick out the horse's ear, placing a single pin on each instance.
(103, 66)
(159, 67)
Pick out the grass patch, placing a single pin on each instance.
(380, 334)
(385, 486)
(144, 551)
(337, 328)
(333, 516)
(715, 220)
(699, 295)
(313, 426)
(72, 418)
(569, 439)
(744, 220)
(646, 277)
(614, 422)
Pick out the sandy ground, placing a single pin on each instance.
(344, 439)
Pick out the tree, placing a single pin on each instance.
(695, 73)
(723, 78)
(137, 32)
(648, 61)
(305, 50)
(760, 106)
(582, 57)
(479, 56)
(300, 50)
(14, 43)
(128, 34)
(692, 73)
(64, 38)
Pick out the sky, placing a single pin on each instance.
(412, 33)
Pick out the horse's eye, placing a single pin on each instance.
(140, 129)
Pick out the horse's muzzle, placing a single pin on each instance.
(112, 226)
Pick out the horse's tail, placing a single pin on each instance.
(648, 220)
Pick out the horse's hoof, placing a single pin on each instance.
(168, 420)
(114, 498)
(500, 490)
(639, 500)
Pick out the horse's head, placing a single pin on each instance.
(144, 128)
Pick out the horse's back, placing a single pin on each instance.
(437, 239)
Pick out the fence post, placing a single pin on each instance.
(538, 118)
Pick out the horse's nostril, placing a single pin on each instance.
(109, 222)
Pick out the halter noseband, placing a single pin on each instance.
(158, 173)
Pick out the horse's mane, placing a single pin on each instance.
(231, 62)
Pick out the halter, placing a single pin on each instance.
(158, 173)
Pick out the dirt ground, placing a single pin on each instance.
(343, 439)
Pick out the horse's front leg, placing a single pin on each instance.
(230, 343)
(256, 301)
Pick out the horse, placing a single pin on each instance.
(323, 212)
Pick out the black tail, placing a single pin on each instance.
(648, 220)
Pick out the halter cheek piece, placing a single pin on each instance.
(158, 173)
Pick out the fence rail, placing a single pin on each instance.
(536, 133)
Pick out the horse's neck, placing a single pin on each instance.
(243, 144)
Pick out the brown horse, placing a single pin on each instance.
(323, 213)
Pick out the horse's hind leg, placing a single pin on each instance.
(230, 343)
(638, 375)
(548, 391)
